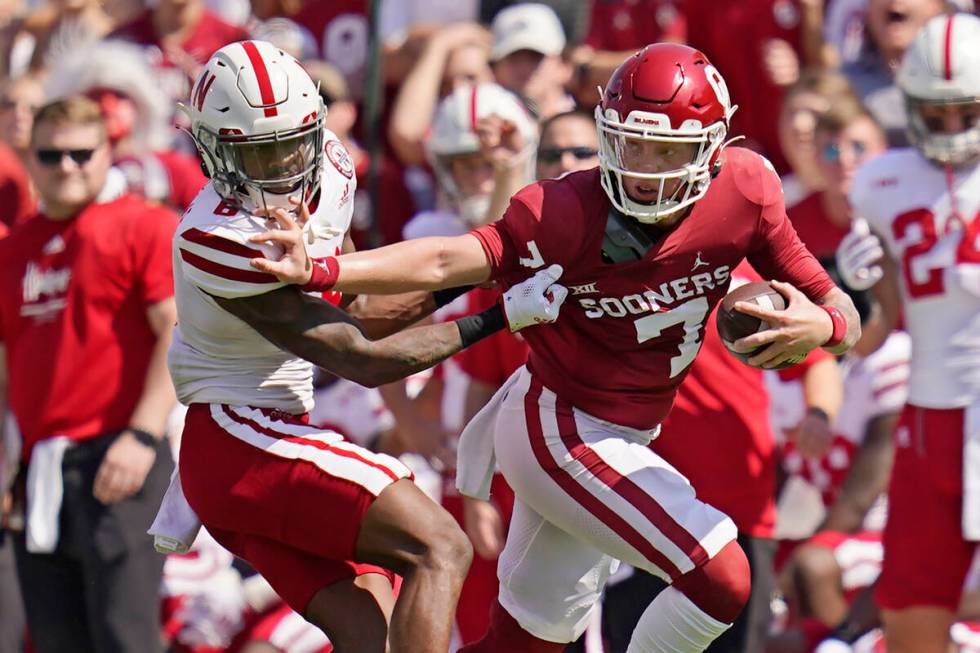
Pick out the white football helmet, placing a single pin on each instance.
(942, 67)
(454, 134)
(257, 120)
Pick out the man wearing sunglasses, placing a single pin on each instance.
(86, 312)
(568, 143)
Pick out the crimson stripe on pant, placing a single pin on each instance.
(626, 488)
(318, 444)
(580, 494)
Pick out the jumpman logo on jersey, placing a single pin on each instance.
(699, 262)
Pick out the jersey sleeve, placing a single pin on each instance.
(154, 264)
(777, 251)
(525, 238)
(218, 263)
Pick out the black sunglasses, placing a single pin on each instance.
(554, 154)
(54, 157)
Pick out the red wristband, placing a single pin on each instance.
(840, 326)
(324, 275)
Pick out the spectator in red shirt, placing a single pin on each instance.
(184, 34)
(86, 312)
(617, 29)
(396, 205)
(742, 61)
(846, 136)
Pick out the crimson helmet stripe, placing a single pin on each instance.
(948, 49)
(473, 108)
(196, 92)
(262, 77)
(204, 93)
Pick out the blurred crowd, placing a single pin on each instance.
(447, 108)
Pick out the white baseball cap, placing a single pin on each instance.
(528, 26)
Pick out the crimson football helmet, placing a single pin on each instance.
(668, 97)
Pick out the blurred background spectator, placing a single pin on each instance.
(814, 81)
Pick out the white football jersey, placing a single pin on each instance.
(926, 219)
(215, 357)
(873, 386)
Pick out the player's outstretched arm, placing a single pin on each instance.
(329, 337)
(420, 264)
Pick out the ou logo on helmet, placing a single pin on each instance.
(718, 85)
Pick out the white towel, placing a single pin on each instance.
(475, 458)
(176, 525)
(45, 490)
(971, 472)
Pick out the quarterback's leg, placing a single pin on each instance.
(601, 485)
(926, 557)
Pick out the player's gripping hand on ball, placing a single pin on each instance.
(793, 332)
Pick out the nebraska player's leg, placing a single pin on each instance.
(590, 493)
(405, 531)
(926, 557)
(302, 505)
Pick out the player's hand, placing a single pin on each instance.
(124, 467)
(793, 332)
(294, 266)
(857, 257)
(484, 526)
(536, 300)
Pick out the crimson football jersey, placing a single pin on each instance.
(628, 331)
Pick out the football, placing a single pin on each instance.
(733, 324)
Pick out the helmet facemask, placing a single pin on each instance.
(928, 134)
(262, 171)
(625, 153)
